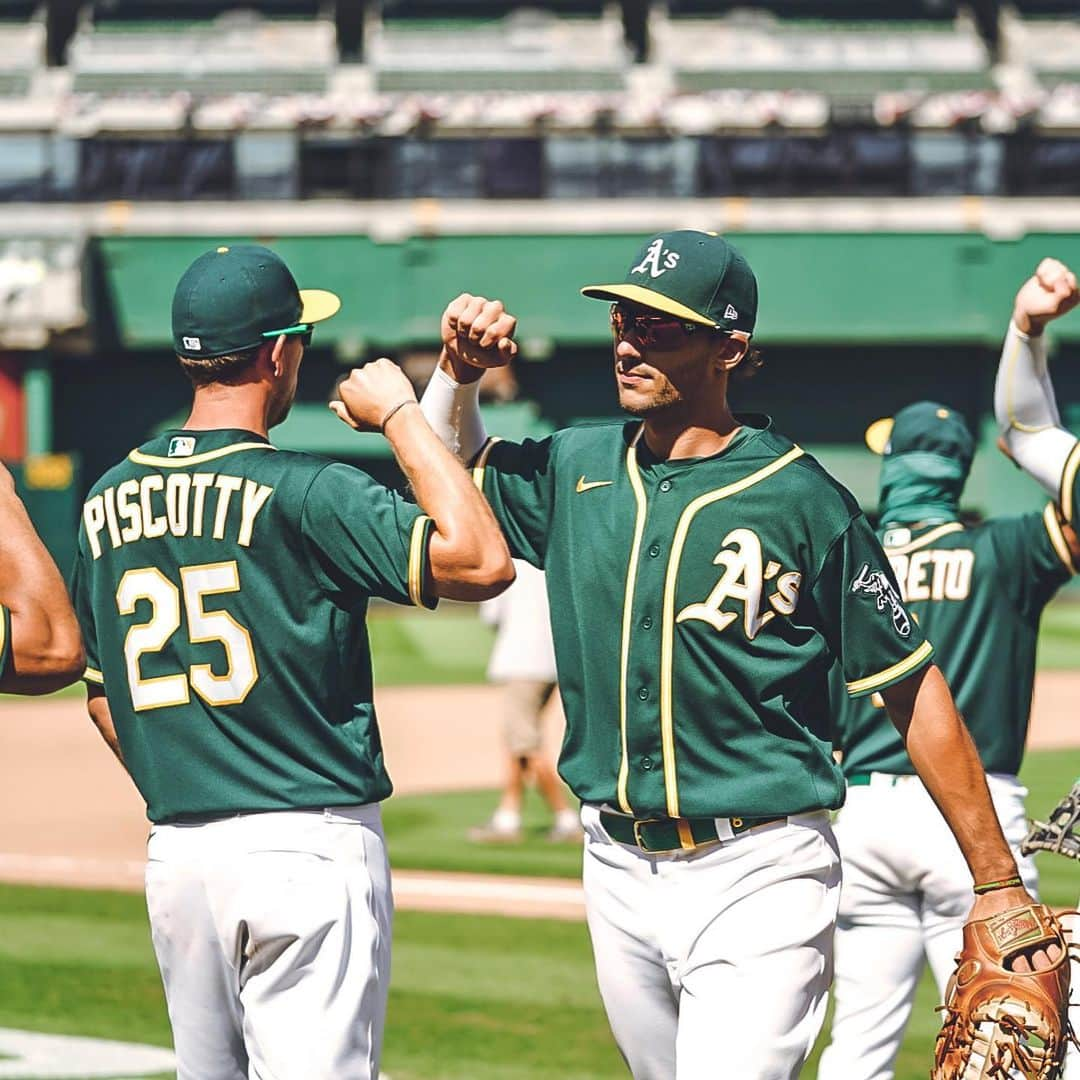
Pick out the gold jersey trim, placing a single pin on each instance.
(94, 676)
(927, 538)
(1057, 537)
(667, 643)
(481, 463)
(628, 612)
(196, 459)
(416, 560)
(1068, 478)
(909, 663)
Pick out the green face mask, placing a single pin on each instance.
(917, 486)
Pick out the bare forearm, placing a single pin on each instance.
(46, 649)
(945, 758)
(98, 708)
(467, 551)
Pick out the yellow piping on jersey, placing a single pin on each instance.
(929, 538)
(1057, 537)
(481, 464)
(94, 676)
(667, 643)
(1068, 477)
(196, 459)
(628, 612)
(909, 663)
(416, 560)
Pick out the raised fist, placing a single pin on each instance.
(370, 392)
(1048, 294)
(477, 333)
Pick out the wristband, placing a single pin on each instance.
(400, 405)
(993, 886)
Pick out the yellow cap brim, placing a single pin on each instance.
(647, 298)
(877, 434)
(318, 305)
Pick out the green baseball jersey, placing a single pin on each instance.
(978, 593)
(221, 586)
(1069, 491)
(696, 607)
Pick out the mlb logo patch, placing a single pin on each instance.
(181, 445)
(193, 343)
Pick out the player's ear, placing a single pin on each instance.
(730, 350)
(277, 354)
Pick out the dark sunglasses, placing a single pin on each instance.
(653, 331)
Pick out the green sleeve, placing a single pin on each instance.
(1035, 559)
(518, 480)
(871, 633)
(365, 540)
(79, 587)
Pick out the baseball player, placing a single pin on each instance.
(222, 585)
(704, 573)
(978, 592)
(522, 665)
(1032, 434)
(40, 649)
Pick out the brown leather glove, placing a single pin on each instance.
(1000, 1022)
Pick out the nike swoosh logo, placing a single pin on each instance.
(583, 486)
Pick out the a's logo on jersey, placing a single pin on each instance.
(878, 585)
(181, 446)
(658, 260)
(745, 580)
(730, 312)
(193, 343)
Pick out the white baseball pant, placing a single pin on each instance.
(715, 963)
(272, 932)
(906, 895)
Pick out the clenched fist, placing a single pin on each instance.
(477, 333)
(370, 393)
(1047, 295)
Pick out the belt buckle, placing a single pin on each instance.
(638, 823)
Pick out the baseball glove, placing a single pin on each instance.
(1060, 832)
(999, 1023)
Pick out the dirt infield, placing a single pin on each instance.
(70, 816)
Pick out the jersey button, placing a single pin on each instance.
(654, 551)
(643, 693)
(665, 485)
(646, 623)
(646, 763)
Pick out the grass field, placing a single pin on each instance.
(473, 998)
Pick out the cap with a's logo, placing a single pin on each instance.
(925, 427)
(697, 276)
(236, 297)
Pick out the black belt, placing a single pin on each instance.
(660, 835)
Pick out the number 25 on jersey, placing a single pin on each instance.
(196, 583)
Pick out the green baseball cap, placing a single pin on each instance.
(927, 427)
(697, 276)
(235, 297)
